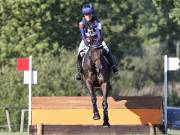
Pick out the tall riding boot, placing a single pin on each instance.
(79, 68)
(112, 61)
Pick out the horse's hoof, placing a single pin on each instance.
(106, 124)
(96, 116)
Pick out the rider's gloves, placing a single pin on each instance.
(96, 43)
(86, 42)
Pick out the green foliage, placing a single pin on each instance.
(37, 26)
(173, 99)
(13, 94)
(174, 14)
(57, 75)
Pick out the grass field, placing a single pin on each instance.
(13, 133)
(173, 132)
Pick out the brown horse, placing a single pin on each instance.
(97, 74)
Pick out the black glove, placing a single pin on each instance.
(86, 42)
(96, 43)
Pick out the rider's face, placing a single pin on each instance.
(88, 17)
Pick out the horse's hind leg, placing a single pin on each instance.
(96, 115)
(104, 88)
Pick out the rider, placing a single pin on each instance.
(90, 29)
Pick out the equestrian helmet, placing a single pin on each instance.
(87, 9)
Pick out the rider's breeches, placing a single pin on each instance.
(83, 46)
(108, 55)
(79, 66)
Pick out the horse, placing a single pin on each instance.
(96, 72)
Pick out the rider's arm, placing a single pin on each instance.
(98, 31)
(99, 34)
(82, 31)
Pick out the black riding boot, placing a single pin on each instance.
(112, 61)
(79, 68)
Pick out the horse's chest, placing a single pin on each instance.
(98, 79)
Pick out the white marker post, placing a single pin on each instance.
(30, 91)
(170, 64)
(30, 77)
(165, 92)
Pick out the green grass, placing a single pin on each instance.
(13, 133)
(173, 132)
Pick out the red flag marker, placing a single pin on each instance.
(22, 64)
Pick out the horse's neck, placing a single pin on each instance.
(89, 55)
(87, 61)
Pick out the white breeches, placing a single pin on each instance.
(82, 46)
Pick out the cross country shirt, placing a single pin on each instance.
(90, 31)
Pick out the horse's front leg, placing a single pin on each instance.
(104, 88)
(96, 115)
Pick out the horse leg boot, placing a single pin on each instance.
(106, 118)
(105, 105)
(112, 61)
(79, 68)
(90, 87)
(96, 115)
